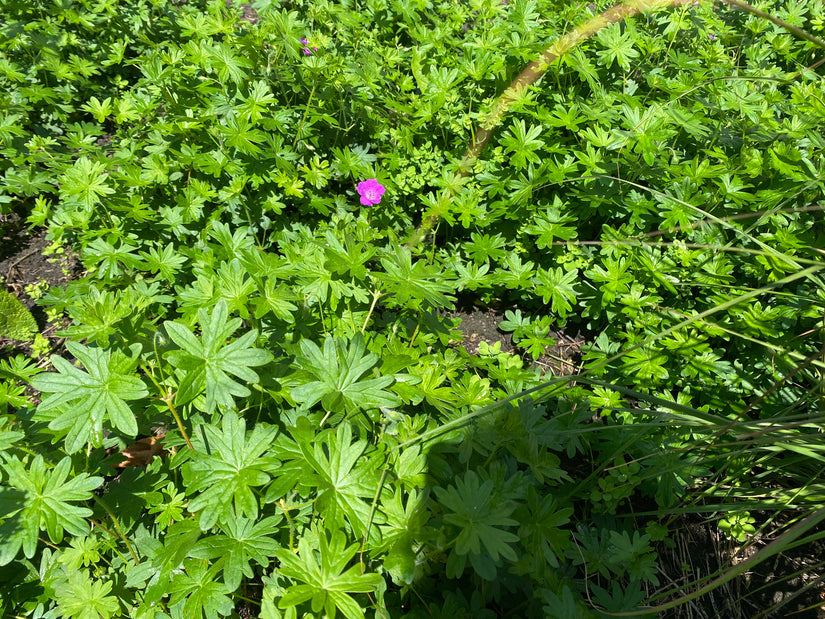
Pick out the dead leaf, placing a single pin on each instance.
(141, 453)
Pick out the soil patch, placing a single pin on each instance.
(481, 325)
(789, 584)
(23, 265)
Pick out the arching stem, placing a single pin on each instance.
(533, 71)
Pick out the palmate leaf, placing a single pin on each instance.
(37, 499)
(243, 541)
(198, 592)
(558, 288)
(16, 322)
(82, 598)
(410, 284)
(209, 360)
(227, 464)
(345, 480)
(85, 182)
(85, 399)
(337, 371)
(326, 582)
(481, 524)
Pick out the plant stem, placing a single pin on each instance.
(376, 294)
(109, 511)
(304, 117)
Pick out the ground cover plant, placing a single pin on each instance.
(261, 404)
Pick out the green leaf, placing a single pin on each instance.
(81, 597)
(85, 182)
(522, 142)
(84, 400)
(337, 371)
(97, 108)
(618, 46)
(197, 591)
(209, 360)
(226, 465)
(647, 364)
(411, 285)
(550, 226)
(557, 286)
(541, 519)
(16, 322)
(346, 481)
(244, 541)
(481, 521)
(38, 499)
(405, 525)
(327, 582)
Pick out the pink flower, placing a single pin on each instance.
(370, 191)
(306, 50)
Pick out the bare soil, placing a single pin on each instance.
(22, 264)
(481, 325)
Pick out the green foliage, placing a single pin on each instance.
(80, 401)
(37, 497)
(337, 371)
(226, 469)
(329, 441)
(326, 581)
(207, 361)
(16, 322)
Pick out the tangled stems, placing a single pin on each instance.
(533, 71)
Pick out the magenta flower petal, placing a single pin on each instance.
(370, 191)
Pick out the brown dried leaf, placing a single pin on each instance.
(142, 452)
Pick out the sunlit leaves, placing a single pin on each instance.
(85, 182)
(326, 581)
(242, 541)
(618, 42)
(37, 498)
(85, 399)
(196, 591)
(414, 285)
(207, 361)
(345, 480)
(335, 376)
(81, 597)
(552, 226)
(557, 287)
(228, 463)
(522, 143)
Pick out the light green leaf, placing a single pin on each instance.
(209, 360)
(38, 499)
(84, 399)
(226, 465)
(337, 371)
(82, 598)
(244, 541)
(327, 583)
(16, 322)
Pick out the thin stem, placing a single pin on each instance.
(304, 117)
(376, 294)
(166, 396)
(109, 511)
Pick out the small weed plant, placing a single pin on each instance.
(263, 407)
